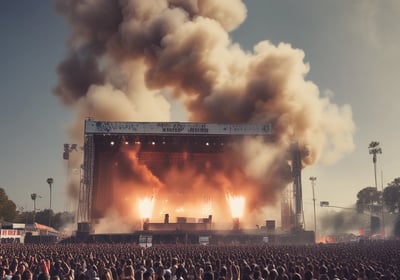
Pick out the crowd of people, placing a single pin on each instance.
(366, 260)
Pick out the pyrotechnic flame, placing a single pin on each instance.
(236, 204)
(146, 207)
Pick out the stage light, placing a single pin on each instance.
(112, 143)
(137, 141)
(66, 147)
(207, 144)
(65, 155)
(153, 143)
(126, 142)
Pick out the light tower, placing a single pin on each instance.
(50, 181)
(33, 197)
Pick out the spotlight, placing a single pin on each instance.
(112, 143)
(66, 155)
(153, 143)
(66, 147)
(207, 144)
(126, 142)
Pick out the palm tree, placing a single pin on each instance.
(374, 149)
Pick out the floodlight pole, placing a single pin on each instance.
(33, 197)
(50, 181)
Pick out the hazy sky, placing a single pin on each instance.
(352, 48)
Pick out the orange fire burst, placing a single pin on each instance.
(236, 204)
(146, 206)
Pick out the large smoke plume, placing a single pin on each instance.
(134, 60)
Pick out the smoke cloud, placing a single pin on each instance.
(131, 60)
(344, 222)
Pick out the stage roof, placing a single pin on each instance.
(176, 128)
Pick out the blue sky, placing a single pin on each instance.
(31, 119)
(352, 48)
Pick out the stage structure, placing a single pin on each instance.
(156, 145)
(292, 212)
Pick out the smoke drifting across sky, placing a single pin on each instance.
(130, 59)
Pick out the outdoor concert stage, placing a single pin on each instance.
(187, 168)
(137, 170)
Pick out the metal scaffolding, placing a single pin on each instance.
(86, 183)
(298, 218)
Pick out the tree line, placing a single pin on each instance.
(10, 213)
(372, 200)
